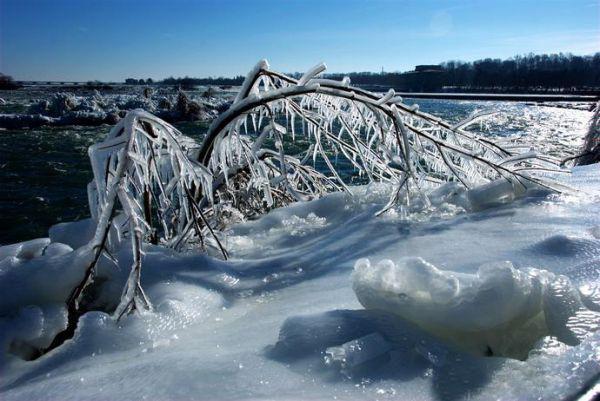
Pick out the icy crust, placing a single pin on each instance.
(35, 278)
(498, 311)
(281, 319)
(33, 249)
(37, 272)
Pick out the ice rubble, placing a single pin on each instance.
(64, 109)
(280, 320)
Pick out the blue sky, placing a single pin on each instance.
(112, 40)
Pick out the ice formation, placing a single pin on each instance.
(499, 310)
(67, 109)
(180, 195)
(222, 281)
(280, 319)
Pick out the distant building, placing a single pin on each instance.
(428, 68)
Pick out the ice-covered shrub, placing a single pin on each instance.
(152, 184)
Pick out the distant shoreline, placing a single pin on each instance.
(515, 97)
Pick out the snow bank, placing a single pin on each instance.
(75, 234)
(38, 275)
(36, 278)
(280, 317)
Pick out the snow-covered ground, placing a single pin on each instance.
(270, 323)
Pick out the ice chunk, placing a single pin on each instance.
(500, 310)
(492, 194)
(33, 249)
(493, 296)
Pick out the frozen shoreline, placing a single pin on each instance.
(215, 321)
(516, 272)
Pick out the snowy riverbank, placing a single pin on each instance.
(215, 329)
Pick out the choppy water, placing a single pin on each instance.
(44, 172)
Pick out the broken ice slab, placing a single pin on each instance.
(359, 354)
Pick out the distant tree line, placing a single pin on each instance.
(188, 82)
(545, 72)
(528, 73)
(133, 81)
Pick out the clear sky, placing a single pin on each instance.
(112, 40)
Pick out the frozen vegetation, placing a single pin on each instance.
(459, 268)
